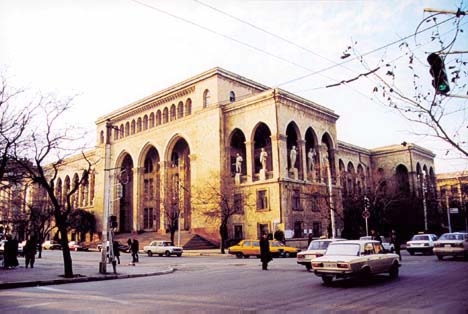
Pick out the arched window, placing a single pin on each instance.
(145, 122)
(232, 96)
(173, 113)
(206, 98)
(165, 115)
(188, 107)
(133, 127)
(102, 137)
(139, 125)
(180, 110)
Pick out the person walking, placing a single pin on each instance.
(375, 236)
(30, 250)
(265, 254)
(135, 248)
(115, 248)
(395, 240)
(11, 252)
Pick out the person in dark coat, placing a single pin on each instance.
(265, 254)
(395, 240)
(115, 248)
(30, 250)
(375, 236)
(134, 247)
(11, 252)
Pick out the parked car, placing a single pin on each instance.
(422, 243)
(315, 249)
(355, 258)
(161, 247)
(51, 245)
(389, 247)
(247, 248)
(76, 246)
(122, 247)
(451, 244)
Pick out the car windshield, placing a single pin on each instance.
(420, 238)
(451, 236)
(318, 245)
(351, 249)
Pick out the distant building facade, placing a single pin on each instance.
(453, 195)
(276, 155)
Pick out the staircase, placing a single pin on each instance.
(188, 240)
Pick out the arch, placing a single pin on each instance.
(177, 197)
(327, 157)
(75, 196)
(145, 122)
(139, 124)
(294, 160)
(312, 155)
(127, 129)
(124, 205)
(151, 120)
(173, 113)
(188, 107)
(58, 190)
(342, 170)
(132, 127)
(262, 140)
(158, 117)
(116, 133)
(180, 110)
(206, 98)
(402, 180)
(150, 189)
(122, 130)
(232, 96)
(165, 115)
(237, 146)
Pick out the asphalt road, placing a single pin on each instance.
(226, 284)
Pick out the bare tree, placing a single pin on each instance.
(403, 82)
(219, 201)
(42, 155)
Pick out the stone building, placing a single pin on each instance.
(453, 195)
(274, 156)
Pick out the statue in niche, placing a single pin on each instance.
(293, 156)
(311, 159)
(239, 161)
(263, 158)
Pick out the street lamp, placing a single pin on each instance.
(332, 212)
(424, 190)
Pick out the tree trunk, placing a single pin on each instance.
(67, 260)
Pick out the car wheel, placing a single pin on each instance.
(286, 254)
(247, 256)
(160, 255)
(394, 271)
(327, 279)
(308, 267)
(411, 253)
(440, 257)
(167, 253)
(179, 255)
(239, 255)
(150, 253)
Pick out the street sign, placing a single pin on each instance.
(365, 214)
(453, 210)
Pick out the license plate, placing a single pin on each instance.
(447, 245)
(329, 265)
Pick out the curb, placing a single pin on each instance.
(35, 283)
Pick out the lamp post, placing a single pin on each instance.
(424, 190)
(329, 180)
(106, 212)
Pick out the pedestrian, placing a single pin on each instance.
(134, 248)
(395, 240)
(265, 254)
(11, 252)
(375, 236)
(30, 250)
(115, 247)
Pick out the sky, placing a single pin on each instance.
(110, 53)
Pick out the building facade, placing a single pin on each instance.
(275, 155)
(453, 192)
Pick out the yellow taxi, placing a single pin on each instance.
(247, 248)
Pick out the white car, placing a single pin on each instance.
(161, 247)
(355, 258)
(422, 243)
(389, 247)
(451, 244)
(316, 249)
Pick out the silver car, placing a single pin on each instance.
(451, 244)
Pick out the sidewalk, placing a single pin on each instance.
(50, 272)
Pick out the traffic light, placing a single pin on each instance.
(366, 203)
(439, 75)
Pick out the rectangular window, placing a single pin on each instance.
(314, 204)
(238, 232)
(148, 218)
(262, 200)
(238, 204)
(298, 229)
(316, 228)
(296, 200)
